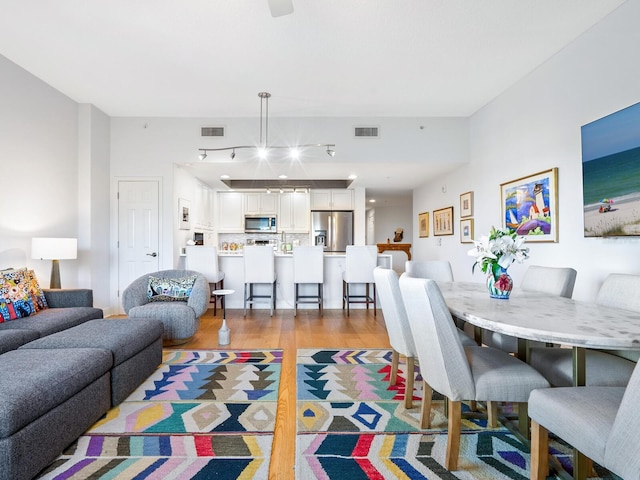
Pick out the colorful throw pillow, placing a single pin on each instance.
(15, 297)
(170, 289)
(37, 295)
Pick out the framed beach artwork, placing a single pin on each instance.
(184, 214)
(466, 230)
(423, 224)
(443, 221)
(610, 172)
(530, 206)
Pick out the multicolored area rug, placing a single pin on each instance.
(352, 424)
(202, 414)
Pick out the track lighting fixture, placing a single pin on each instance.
(263, 148)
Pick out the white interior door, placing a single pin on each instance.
(138, 230)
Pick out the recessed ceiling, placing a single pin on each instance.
(332, 58)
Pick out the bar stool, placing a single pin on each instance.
(259, 267)
(205, 260)
(308, 267)
(359, 265)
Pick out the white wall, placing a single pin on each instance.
(39, 148)
(534, 126)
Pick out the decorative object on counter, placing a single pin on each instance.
(399, 233)
(423, 224)
(443, 221)
(530, 206)
(224, 334)
(263, 148)
(495, 254)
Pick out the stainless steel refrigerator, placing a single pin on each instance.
(332, 229)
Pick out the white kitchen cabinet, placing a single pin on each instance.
(203, 218)
(261, 202)
(294, 212)
(332, 199)
(231, 212)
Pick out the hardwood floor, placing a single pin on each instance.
(282, 331)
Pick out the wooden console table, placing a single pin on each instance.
(400, 247)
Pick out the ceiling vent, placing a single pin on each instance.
(367, 132)
(212, 131)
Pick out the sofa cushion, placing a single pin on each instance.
(32, 382)
(170, 289)
(123, 337)
(15, 300)
(52, 320)
(10, 339)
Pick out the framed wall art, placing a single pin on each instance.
(466, 230)
(610, 172)
(423, 224)
(443, 221)
(184, 214)
(530, 206)
(466, 205)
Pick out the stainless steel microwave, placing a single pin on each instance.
(260, 224)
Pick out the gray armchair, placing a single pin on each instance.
(181, 319)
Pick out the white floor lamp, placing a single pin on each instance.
(54, 249)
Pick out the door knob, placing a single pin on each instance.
(154, 254)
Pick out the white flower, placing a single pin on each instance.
(500, 249)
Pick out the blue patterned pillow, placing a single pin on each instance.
(170, 289)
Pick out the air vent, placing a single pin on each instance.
(212, 131)
(367, 132)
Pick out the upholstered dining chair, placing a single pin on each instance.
(600, 422)
(398, 329)
(603, 368)
(439, 270)
(259, 268)
(457, 372)
(557, 281)
(360, 260)
(204, 259)
(167, 296)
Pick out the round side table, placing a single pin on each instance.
(224, 332)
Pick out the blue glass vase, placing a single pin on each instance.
(499, 285)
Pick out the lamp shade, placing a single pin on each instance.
(54, 248)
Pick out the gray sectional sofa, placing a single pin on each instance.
(60, 371)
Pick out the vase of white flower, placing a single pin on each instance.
(495, 254)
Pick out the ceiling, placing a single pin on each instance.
(329, 58)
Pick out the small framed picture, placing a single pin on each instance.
(184, 214)
(466, 230)
(443, 221)
(466, 205)
(423, 224)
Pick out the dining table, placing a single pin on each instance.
(535, 316)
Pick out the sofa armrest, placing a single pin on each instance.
(69, 297)
(200, 296)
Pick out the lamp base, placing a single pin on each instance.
(54, 282)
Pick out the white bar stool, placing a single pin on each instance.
(359, 265)
(224, 334)
(204, 259)
(259, 267)
(308, 267)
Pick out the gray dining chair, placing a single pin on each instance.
(397, 323)
(439, 270)
(600, 422)
(603, 368)
(460, 373)
(558, 281)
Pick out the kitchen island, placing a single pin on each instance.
(232, 264)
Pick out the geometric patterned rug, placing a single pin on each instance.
(201, 414)
(353, 425)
